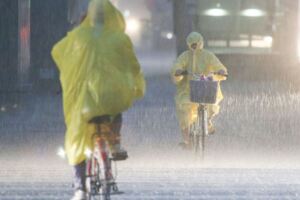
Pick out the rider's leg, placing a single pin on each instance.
(79, 181)
(212, 111)
(79, 176)
(114, 139)
(187, 114)
(186, 144)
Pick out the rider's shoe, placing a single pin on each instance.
(185, 145)
(211, 131)
(118, 153)
(79, 195)
(211, 128)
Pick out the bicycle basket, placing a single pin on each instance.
(203, 91)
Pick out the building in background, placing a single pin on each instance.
(161, 24)
(24, 44)
(29, 28)
(9, 45)
(246, 26)
(249, 36)
(238, 25)
(49, 23)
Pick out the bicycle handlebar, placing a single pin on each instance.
(185, 73)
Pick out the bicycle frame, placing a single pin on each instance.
(199, 130)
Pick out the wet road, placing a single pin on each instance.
(254, 154)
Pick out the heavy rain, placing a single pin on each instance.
(254, 152)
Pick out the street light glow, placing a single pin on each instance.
(216, 12)
(253, 12)
(169, 36)
(133, 26)
(3, 108)
(268, 39)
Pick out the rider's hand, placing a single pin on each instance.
(179, 72)
(221, 72)
(210, 77)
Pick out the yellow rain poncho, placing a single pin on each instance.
(99, 74)
(199, 61)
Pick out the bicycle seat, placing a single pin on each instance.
(100, 119)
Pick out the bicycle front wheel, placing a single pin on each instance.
(195, 135)
(204, 129)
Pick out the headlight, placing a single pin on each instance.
(61, 153)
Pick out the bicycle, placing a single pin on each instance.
(203, 91)
(100, 179)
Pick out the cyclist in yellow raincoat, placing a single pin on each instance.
(100, 76)
(200, 61)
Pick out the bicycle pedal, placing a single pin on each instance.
(211, 133)
(115, 188)
(185, 146)
(119, 156)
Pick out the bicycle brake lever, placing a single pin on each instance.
(216, 73)
(184, 73)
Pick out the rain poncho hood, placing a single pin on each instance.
(99, 74)
(113, 19)
(193, 38)
(198, 61)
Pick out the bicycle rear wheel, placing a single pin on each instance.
(99, 181)
(106, 170)
(93, 178)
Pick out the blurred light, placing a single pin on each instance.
(239, 43)
(15, 105)
(127, 13)
(216, 12)
(24, 33)
(244, 36)
(262, 41)
(253, 12)
(133, 26)
(268, 39)
(3, 108)
(61, 153)
(169, 36)
(88, 153)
